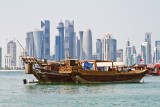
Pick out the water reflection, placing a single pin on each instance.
(70, 88)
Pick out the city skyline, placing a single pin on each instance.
(123, 19)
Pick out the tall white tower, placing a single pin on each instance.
(87, 44)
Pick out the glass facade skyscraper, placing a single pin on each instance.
(157, 52)
(11, 50)
(57, 48)
(60, 28)
(109, 47)
(99, 49)
(45, 25)
(34, 43)
(69, 39)
(81, 44)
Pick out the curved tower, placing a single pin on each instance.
(87, 44)
(37, 38)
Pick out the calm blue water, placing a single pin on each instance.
(13, 93)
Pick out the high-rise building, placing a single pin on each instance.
(57, 48)
(60, 28)
(87, 44)
(8, 61)
(45, 25)
(34, 43)
(128, 54)
(146, 49)
(148, 52)
(69, 39)
(11, 50)
(109, 47)
(144, 52)
(120, 55)
(30, 44)
(78, 48)
(0, 58)
(81, 44)
(99, 49)
(157, 52)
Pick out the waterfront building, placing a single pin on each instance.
(119, 55)
(8, 61)
(157, 52)
(45, 25)
(0, 57)
(69, 37)
(128, 54)
(34, 43)
(148, 50)
(57, 48)
(37, 39)
(11, 50)
(81, 44)
(30, 44)
(87, 44)
(60, 28)
(99, 49)
(109, 47)
(78, 48)
(144, 52)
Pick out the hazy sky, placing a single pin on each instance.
(124, 19)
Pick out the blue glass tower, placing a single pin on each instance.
(60, 28)
(69, 39)
(45, 25)
(57, 48)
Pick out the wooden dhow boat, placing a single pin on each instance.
(81, 71)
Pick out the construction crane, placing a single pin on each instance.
(22, 47)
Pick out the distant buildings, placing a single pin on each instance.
(87, 44)
(99, 49)
(60, 28)
(109, 47)
(0, 58)
(34, 44)
(69, 39)
(146, 49)
(45, 25)
(81, 44)
(157, 52)
(10, 57)
(120, 55)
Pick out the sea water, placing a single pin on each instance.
(13, 93)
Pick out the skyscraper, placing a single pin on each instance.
(60, 28)
(109, 47)
(144, 52)
(45, 25)
(78, 48)
(99, 49)
(157, 52)
(81, 44)
(11, 50)
(0, 58)
(128, 54)
(146, 49)
(87, 44)
(30, 44)
(34, 43)
(120, 55)
(57, 48)
(148, 53)
(69, 39)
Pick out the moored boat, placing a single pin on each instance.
(77, 71)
